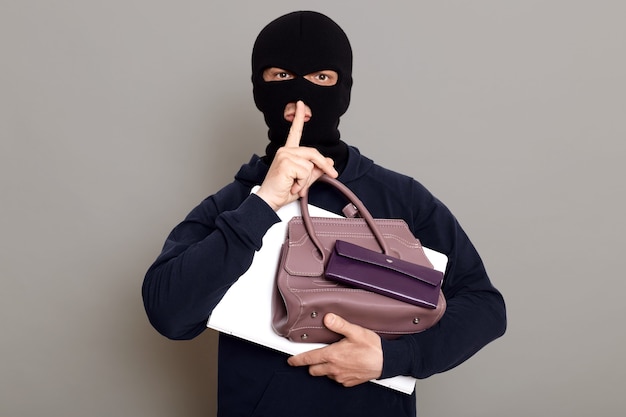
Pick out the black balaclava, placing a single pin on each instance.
(302, 43)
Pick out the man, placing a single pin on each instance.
(302, 78)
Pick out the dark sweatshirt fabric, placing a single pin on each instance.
(215, 244)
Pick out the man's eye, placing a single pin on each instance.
(322, 77)
(283, 75)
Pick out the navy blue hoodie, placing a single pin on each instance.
(215, 244)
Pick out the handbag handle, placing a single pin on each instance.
(365, 214)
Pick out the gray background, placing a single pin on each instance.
(117, 117)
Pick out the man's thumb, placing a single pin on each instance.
(337, 324)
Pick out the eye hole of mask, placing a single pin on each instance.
(324, 78)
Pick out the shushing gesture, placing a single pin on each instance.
(357, 357)
(294, 168)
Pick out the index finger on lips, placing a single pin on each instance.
(295, 132)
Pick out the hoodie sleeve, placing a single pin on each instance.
(201, 258)
(475, 313)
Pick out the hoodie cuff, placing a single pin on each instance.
(397, 357)
(252, 219)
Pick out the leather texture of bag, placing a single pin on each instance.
(303, 294)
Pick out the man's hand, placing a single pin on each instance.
(355, 359)
(294, 168)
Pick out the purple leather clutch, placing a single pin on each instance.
(363, 268)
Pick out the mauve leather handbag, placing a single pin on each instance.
(303, 294)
